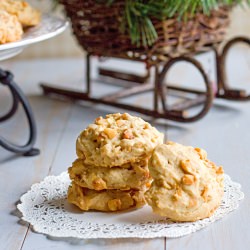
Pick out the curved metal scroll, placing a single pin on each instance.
(224, 90)
(6, 78)
(179, 112)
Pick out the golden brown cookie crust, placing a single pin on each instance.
(106, 200)
(26, 15)
(10, 28)
(117, 139)
(128, 176)
(187, 186)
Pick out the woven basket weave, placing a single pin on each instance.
(97, 29)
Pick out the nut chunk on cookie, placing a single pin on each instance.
(116, 140)
(187, 186)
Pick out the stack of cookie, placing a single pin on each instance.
(14, 17)
(111, 172)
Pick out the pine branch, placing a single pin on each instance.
(138, 15)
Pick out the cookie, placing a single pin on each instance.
(10, 28)
(186, 185)
(106, 200)
(26, 15)
(128, 176)
(116, 140)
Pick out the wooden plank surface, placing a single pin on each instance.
(17, 174)
(223, 133)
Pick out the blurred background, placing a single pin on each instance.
(66, 46)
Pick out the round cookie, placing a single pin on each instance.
(10, 28)
(26, 15)
(132, 176)
(116, 140)
(186, 185)
(105, 200)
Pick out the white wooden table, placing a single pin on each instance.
(224, 133)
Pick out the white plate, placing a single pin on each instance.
(49, 27)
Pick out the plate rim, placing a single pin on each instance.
(40, 38)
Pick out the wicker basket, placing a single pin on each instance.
(97, 28)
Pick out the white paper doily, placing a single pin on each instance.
(45, 207)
